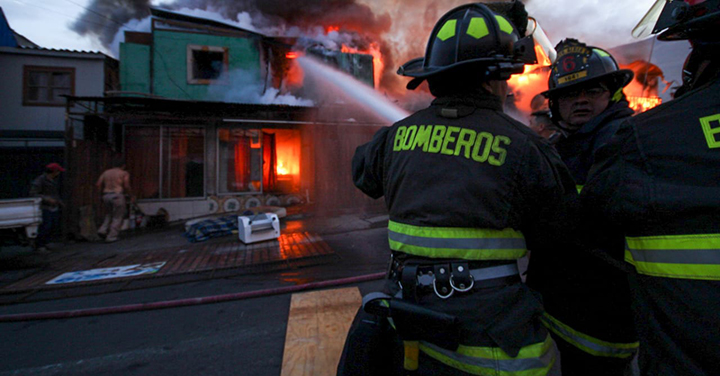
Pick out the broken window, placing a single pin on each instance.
(206, 64)
(43, 86)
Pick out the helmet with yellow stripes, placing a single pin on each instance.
(472, 36)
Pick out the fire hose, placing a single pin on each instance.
(186, 302)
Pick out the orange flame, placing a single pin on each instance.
(531, 82)
(330, 29)
(374, 50)
(642, 104)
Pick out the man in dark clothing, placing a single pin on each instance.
(657, 180)
(587, 300)
(46, 187)
(464, 185)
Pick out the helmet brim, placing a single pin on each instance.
(623, 76)
(416, 68)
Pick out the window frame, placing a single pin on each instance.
(28, 69)
(161, 149)
(218, 162)
(191, 80)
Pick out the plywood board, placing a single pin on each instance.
(317, 327)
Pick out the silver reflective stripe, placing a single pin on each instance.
(495, 272)
(505, 365)
(585, 344)
(458, 243)
(374, 295)
(677, 256)
(479, 274)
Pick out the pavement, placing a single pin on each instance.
(149, 258)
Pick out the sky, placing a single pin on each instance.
(605, 23)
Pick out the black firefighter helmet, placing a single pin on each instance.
(577, 65)
(472, 36)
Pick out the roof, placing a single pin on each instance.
(138, 107)
(53, 52)
(162, 13)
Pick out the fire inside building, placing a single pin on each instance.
(211, 119)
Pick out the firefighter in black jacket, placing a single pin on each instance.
(658, 179)
(587, 300)
(465, 185)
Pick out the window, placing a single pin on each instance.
(166, 162)
(240, 160)
(43, 86)
(258, 160)
(206, 64)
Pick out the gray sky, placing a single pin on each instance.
(605, 23)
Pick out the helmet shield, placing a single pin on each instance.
(678, 20)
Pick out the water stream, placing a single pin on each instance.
(352, 88)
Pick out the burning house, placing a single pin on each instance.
(214, 118)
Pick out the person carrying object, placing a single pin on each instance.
(114, 184)
(46, 187)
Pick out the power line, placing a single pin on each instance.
(94, 12)
(62, 14)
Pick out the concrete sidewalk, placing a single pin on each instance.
(24, 275)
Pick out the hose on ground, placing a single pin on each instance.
(186, 302)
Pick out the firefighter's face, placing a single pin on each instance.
(578, 106)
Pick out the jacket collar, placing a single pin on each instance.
(466, 103)
(619, 109)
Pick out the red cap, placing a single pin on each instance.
(55, 167)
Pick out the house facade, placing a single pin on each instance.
(32, 115)
(206, 123)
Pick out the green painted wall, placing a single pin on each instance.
(135, 67)
(170, 63)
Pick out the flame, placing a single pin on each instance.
(531, 82)
(295, 74)
(291, 55)
(330, 29)
(642, 104)
(281, 170)
(374, 50)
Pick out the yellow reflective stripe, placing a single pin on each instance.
(447, 31)
(535, 350)
(412, 355)
(454, 232)
(456, 242)
(497, 362)
(504, 24)
(601, 52)
(695, 256)
(477, 28)
(579, 188)
(590, 345)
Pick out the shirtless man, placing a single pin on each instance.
(115, 184)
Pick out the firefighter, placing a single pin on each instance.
(464, 185)
(657, 178)
(587, 300)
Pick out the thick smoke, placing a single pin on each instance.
(400, 28)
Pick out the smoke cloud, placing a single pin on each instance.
(399, 28)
